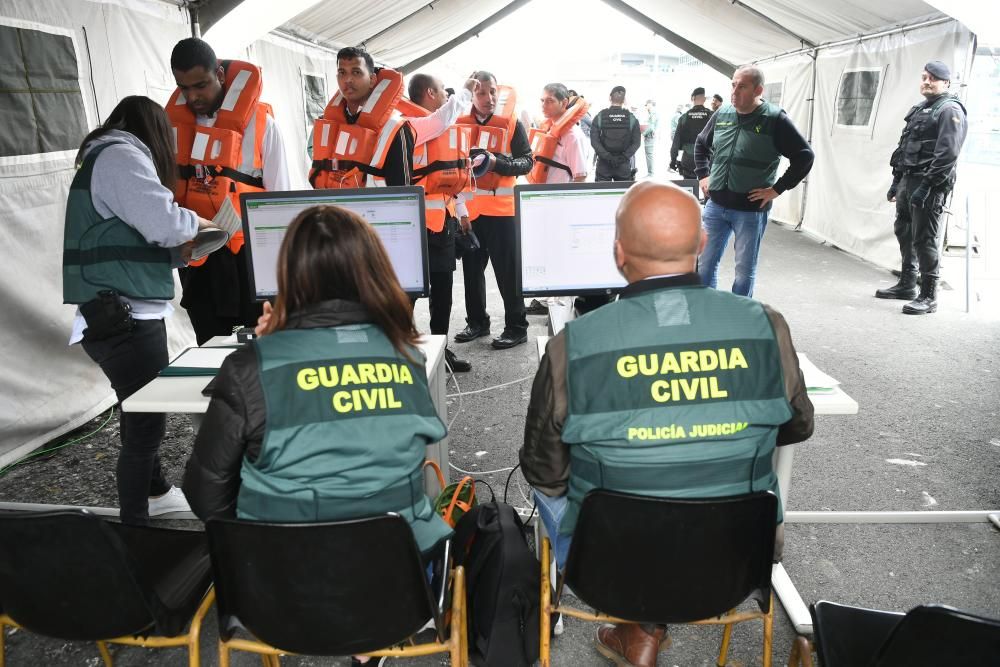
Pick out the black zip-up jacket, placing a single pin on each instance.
(235, 421)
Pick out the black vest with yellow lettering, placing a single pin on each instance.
(673, 393)
(348, 422)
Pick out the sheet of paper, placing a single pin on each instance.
(816, 380)
(202, 357)
(228, 219)
(208, 241)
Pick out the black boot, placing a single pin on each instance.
(905, 289)
(926, 302)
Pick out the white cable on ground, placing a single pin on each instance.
(496, 386)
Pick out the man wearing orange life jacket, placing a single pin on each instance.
(562, 158)
(387, 155)
(504, 155)
(227, 143)
(444, 211)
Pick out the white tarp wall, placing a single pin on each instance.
(122, 48)
(845, 200)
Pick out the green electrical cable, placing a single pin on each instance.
(26, 459)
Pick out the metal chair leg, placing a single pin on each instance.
(223, 654)
(768, 633)
(545, 603)
(105, 654)
(727, 634)
(801, 655)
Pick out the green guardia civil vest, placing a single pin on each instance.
(106, 253)
(674, 393)
(348, 423)
(744, 156)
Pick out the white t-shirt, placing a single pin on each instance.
(570, 152)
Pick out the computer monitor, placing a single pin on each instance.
(565, 238)
(689, 184)
(396, 213)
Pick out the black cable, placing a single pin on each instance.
(506, 486)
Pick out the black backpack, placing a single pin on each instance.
(502, 586)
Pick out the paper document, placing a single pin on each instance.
(817, 382)
(208, 240)
(202, 357)
(228, 219)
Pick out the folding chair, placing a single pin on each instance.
(345, 588)
(926, 636)
(71, 575)
(640, 559)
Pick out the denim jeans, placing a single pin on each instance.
(720, 223)
(130, 361)
(551, 511)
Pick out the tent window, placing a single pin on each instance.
(857, 97)
(40, 98)
(314, 92)
(772, 92)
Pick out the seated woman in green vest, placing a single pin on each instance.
(326, 416)
(124, 235)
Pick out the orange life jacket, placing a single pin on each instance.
(352, 155)
(545, 138)
(441, 166)
(493, 194)
(212, 162)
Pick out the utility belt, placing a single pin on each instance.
(107, 315)
(205, 172)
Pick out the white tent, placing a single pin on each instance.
(844, 70)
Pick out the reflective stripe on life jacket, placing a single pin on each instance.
(494, 194)
(352, 155)
(545, 139)
(226, 159)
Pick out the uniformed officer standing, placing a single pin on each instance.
(615, 137)
(923, 173)
(690, 125)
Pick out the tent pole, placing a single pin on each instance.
(809, 137)
(718, 64)
(475, 30)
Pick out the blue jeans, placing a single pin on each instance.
(720, 223)
(551, 511)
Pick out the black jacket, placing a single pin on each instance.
(234, 424)
(612, 149)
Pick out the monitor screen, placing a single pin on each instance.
(396, 213)
(566, 236)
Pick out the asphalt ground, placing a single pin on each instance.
(927, 437)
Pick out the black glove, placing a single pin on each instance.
(891, 194)
(920, 194)
(675, 165)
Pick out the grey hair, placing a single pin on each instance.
(755, 73)
(557, 90)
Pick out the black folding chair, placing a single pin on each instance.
(71, 575)
(344, 588)
(639, 559)
(926, 636)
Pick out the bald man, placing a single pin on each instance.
(677, 390)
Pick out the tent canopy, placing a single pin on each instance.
(722, 33)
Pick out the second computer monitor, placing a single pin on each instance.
(396, 213)
(565, 235)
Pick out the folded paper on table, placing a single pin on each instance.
(197, 361)
(817, 382)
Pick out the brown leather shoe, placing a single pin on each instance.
(628, 645)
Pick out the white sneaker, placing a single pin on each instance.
(171, 501)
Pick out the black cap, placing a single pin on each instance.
(938, 70)
(618, 89)
(697, 91)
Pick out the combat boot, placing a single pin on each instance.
(905, 289)
(926, 302)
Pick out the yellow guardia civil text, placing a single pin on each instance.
(358, 399)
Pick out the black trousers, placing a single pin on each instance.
(130, 361)
(918, 230)
(497, 241)
(217, 295)
(441, 262)
(606, 172)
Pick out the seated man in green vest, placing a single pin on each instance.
(673, 372)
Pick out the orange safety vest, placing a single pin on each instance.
(349, 155)
(441, 166)
(214, 162)
(493, 194)
(545, 138)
